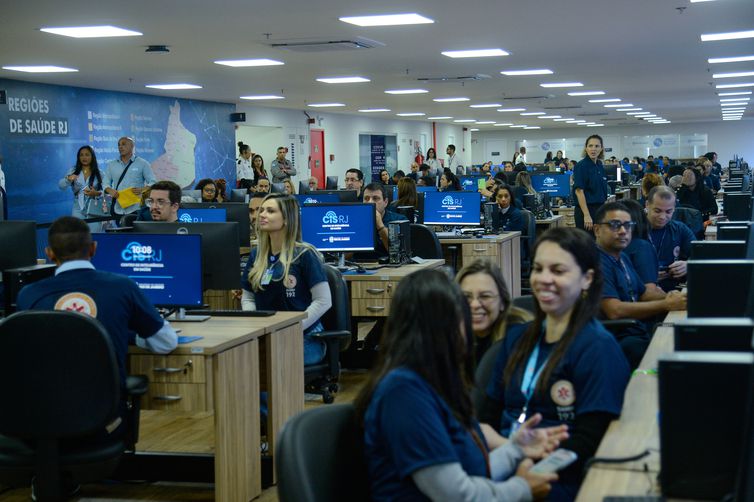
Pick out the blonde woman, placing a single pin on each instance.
(284, 273)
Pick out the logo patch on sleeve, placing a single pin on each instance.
(77, 302)
(562, 393)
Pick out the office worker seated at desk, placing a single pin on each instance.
(115, 300)
(375, 193)
(694, 193)
(254, 204)
(284, 273)
(355, 181)
(670, 238)
(508, 217)
(489, 300)
(263, 185)
(421, 439)
(640, 251)
(207, 189)
(163, 201)
(564, 365)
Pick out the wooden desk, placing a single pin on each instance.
(371, 294)
(567, 214)
(548, 223)
(504, 250)
(636, 430)
(710, 233)
(221, 376)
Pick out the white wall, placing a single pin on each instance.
(725, 138)
(342, 136)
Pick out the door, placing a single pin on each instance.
(317, 156)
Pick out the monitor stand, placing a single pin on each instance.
(341, 266)
(180, 316)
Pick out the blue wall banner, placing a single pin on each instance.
(377, 156)
(42, 127)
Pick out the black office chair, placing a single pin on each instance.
(322, 377)
(525, 302)
(528, 237)
(61, 387)
(320, 458)
(127, 220)
(483, 374)
(424, 242)
(692, 217)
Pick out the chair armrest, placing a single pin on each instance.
(137, 385)
(618, 325)
(341, 336)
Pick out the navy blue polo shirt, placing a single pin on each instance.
(620, 279)
(408, 427)
(510, 221)
(591, 178)
(671, 243)
(642, 256)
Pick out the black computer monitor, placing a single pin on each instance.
(331, 183)
(277, 188)
(238, 195)
(718, 250)
(451, 208)
(167, 268)
(473, 182)
(234, 211)
(733, 233)
(425, 189)
(343, 195)
(221, 264)
(311, 198)
(303, 187)
(745, 474)
(555, 185)
(705, 297)
(723, 334)
(202, 215)
(737, 205)
(18, 244)
(339, 227)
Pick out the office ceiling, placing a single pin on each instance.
(645, 52)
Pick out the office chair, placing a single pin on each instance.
(322, 377)
(483, 374)
(693, 219)
(424, 242)
(61, 388)
(320, 457)
(528, 237)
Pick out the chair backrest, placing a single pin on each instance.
(338, 317)
(424, 242)
(59, 377)
(483, 374)
(530, 225)
(320, 457)
(692, 217)
(3, 204)
(525, 302)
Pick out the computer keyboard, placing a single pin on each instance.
(232, 313)
(452, 235)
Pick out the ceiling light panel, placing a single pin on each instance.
(733, 74)
(261, 97)
(505, 110)
(450, 100)
(734, 35)
(325, 105)
(734, 59)
(555, 85)
(604, 100)
(486, 105)
(245, 63)
(406, 91)
(342, 80)
(173, 87)
(734, 86)
(387, 20)
(374, 110)
(475, 53)
(40, 69)
(738, 93)
(92, 31)
(411, 114)
(587, 93)
(517, 73)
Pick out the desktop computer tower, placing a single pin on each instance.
(718, 288)
(399, 236)
(488, 209)
(16, 278)
(723, 334)
(703, 405)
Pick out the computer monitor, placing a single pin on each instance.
(303, 187)
(613, 172)
(311, 198)
(718, 250)
(202, 215)
(221, 264)
(737, 205)
(394, 193)
(556, 185)
(18, 244)
(451, 208)
(234, 211)
(425, 189)
(705, 297)
(339, 228)
(331, 183)
(343, 195)
(732, 334)
(745, 474)
(167, 268)
(473, 182)
(194, 194)
(238, 195)
(733, 233)
(277, 188)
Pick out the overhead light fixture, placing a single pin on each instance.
(733, 74)
(734, 86)
(739, 93)
(92, 31)
(734, 109)
(518, 126)
(476, 53)
(505, 110)
(532, 114)
(587, 93)
(502, 124)
(605, 100)
(532, 127)
(728, 100)
(562, 84)
(595, 125)
(739, 103)
(387, 20)
(648, 117)
(260, 97)
(439, 118)
(450, 100)
(473, 129)
(486, 122)
(700, 1)
(173, 87)
(411, 114)
(325, 105)
(486, 105)
(374, 110)
(733, 35)
(40, 69)
(628, 109)
(619, 106)
(517, 73)
(549, 117)
(244, 63)
(736, 59)
(343, 80)
(637, 113)
(464, 121)
(406, 91)
(562, 120)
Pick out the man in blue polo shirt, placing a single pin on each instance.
(127, 171)
(671, 239)
(624, 295)
(375, 193)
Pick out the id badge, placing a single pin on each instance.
(267, 277)
(515, 426)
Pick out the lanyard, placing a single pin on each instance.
(658, 248)
(529, 382)
(629, 282)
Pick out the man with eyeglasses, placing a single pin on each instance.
(624, 295)
(164, 200)
(355, 181)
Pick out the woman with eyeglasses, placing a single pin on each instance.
(421, 439)
(489, 300)
(564, 365)
(208, 190)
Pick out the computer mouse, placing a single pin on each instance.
(361, 270)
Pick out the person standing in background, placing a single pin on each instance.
(455, 164)
(257, 164)
(433, 163)
(127, 171)
(589, 183)
(85, 181)
(281, 167)
(244, 171)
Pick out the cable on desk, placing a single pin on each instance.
(616, 460)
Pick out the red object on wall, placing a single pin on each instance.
(317, 156)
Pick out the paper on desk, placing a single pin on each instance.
(127, 197)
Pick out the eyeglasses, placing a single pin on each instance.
(483, 298)
(616, 224)
(157, 202)
(209, 189)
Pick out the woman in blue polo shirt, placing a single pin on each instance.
(589, 182)
(284, 273)
(564, 365)
(421, 440)
(508, 218)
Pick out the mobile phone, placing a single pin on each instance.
(557, 460)
(663, 269)
(481, 184)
